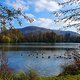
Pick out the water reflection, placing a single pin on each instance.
(45, 62)
(3, 60)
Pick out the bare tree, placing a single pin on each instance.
(69, 13)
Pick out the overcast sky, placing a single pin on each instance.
(40, 10)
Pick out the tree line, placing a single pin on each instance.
(51, 37)
(16, 36)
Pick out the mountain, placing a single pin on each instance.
(36, 30)
(33, 29)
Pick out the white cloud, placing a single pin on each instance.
(45, 23)
(18, 4)
(49, 5)
(39, 5)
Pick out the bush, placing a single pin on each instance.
(72, 69)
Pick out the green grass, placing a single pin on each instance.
(33, 76)
(66, 77)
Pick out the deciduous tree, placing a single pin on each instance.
(69, 13)
(7, 15)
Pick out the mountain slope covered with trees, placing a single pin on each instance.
(37, 34)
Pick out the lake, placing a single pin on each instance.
(47, 59)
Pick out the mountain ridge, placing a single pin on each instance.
(34, 29)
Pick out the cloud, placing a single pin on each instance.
(39, 5)
(18, 4)
(49, 5)
(44, 22)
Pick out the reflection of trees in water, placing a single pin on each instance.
(4, 60)
(74, 53)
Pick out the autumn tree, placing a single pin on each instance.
(7, 15)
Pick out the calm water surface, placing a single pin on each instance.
(46, 59)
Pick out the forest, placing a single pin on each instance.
(16, 36)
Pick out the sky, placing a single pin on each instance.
(40, 10)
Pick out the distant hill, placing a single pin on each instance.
(36, 30)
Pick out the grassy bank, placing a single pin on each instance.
(23, 76)
(71, 72)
